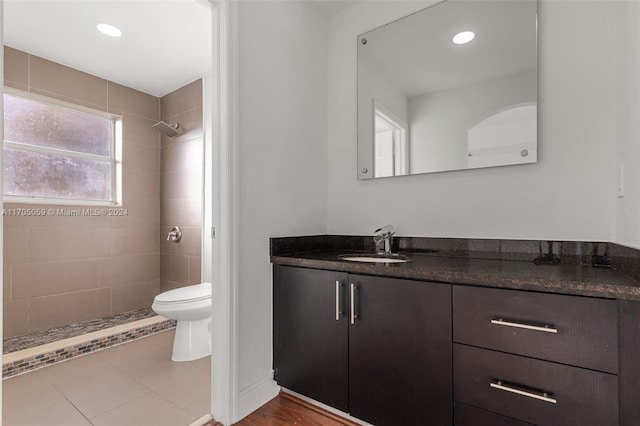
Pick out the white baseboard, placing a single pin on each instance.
(202, 420)
(255, 396)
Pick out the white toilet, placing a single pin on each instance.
(191, 307)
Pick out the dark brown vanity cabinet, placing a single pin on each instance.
(402, 352)
(544, 359)
(310, 334)
(377, 348)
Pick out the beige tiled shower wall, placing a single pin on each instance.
(181, 187)
(59, 270)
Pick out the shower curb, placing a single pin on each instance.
(26, 360)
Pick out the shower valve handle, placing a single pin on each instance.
(175, 234)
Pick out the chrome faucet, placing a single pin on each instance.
(384, 234)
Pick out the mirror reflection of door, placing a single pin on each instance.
(390, 144)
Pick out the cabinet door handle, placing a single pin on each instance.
(337, 300)
(542, 396)
(543, 328)
(353, 304)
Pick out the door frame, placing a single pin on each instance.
(220, 260)
(1, 186)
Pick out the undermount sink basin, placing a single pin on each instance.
(375, 258)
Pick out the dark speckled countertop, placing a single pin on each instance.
(587, 269)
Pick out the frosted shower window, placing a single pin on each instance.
(56, 153)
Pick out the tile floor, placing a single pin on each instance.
(134, 384)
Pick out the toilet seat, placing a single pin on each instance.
(192, 293)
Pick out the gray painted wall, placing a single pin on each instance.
(282, 156)
(569, 194)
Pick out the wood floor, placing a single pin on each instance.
(286, 410)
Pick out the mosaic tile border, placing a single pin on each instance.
(48, 358)
(39, 338)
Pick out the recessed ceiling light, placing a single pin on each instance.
(109, 30)
(463, 37)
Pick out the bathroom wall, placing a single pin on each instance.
(181, 187)
(569, 194)
(282, 156)
(59, 270)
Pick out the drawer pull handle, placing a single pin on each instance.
(542, 396)
(543, 328)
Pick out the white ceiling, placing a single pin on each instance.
(418, 55)
(333, 7)
(165, 43)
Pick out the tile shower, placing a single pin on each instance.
(60, 270)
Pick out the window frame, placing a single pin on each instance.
(114, 159)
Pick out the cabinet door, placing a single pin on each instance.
(310, 338)
(400, 356)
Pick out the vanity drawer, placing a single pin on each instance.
(534, 391)
(573, 330)
(466, 415)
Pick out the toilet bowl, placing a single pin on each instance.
(191, 307)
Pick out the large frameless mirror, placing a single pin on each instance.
(451, 87)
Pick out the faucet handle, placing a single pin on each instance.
(384, 230)
(383, 233)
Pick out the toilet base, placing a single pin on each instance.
(192, 340)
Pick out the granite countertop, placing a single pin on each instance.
(574, 278)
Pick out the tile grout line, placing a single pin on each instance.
(150, 391)
(72, 404)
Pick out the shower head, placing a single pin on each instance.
(170, 130)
